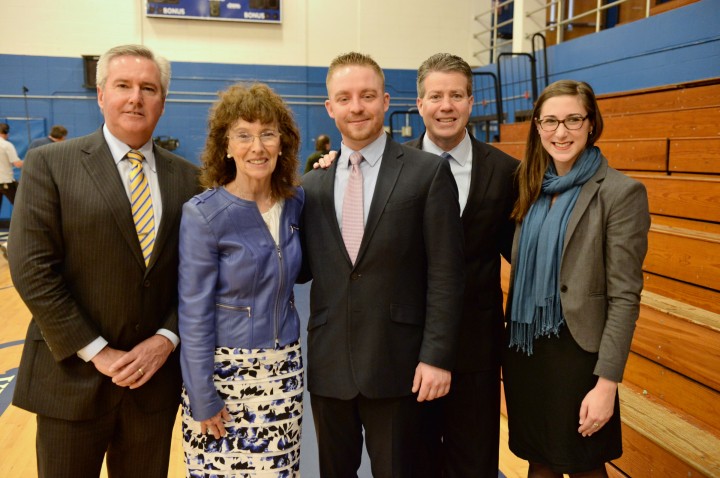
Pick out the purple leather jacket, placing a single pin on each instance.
(235, 286)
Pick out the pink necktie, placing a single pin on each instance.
(352, 211)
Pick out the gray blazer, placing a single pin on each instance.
(601, 267)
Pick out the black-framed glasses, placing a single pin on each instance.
(571, 122)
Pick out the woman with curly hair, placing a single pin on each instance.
(239, 258)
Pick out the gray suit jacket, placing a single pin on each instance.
(400, 304)
(601, 267)
(76, 262)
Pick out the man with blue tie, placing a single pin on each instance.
(465, 424)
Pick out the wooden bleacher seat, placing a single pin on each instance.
(689, 196)
(692, 294)
(658, 442)
(680, 337)
(687, 251)
(635, 154)
(695, 155)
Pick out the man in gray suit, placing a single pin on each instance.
(100, 366)
(385, 303)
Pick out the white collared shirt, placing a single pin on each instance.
(461, 164)
(118, 149)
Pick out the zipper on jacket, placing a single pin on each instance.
(279, 295)
(234, 307)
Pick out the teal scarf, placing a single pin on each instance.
(536, 308)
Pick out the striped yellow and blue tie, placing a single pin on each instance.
(141, 203)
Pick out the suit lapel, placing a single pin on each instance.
(387, 177)
(171, 202)
(480, 179)
(327, 204)
(587, 193)
(100, 166)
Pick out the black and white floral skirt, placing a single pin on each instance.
(263, 391)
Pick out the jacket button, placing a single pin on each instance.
(563, 288)
(137, 327)
(146, 283)
(355, 276)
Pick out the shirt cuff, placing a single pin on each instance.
(170, 336)
(89, 352)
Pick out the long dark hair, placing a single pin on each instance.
(532, 170)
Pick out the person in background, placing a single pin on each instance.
(575, 290)
(380, 241)
(94, 257)
(57, 133)
(8, 159)
(240, 254)
(322, 146)
(465, 424)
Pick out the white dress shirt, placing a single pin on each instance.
(461, 164)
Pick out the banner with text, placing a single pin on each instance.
(266, 11)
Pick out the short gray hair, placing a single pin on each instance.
(163, 65)
(444, 63)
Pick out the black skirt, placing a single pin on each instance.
(544, 392)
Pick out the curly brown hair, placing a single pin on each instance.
(257, 102)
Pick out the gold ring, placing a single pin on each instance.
(140, 371)
(595, 425)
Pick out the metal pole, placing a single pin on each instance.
(27, 113)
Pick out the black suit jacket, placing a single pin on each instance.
(488, 232)
(370, 324)
(76, 262)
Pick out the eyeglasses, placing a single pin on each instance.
(268, 138)
(571, 122)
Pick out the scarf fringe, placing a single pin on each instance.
(522, 335)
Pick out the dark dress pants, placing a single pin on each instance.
(137, 444)
(464, 426)
(392, 434)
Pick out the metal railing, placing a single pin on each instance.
(560, 16)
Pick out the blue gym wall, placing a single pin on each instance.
(677, 46)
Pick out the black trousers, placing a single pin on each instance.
(137, 444)
(8, 190)
(463, 427)
(392, 433)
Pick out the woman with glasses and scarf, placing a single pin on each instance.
(574, 290)
(239, 258)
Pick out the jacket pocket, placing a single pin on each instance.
(403, 204)
(234, 311)
(407, 314)
(317, 320)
